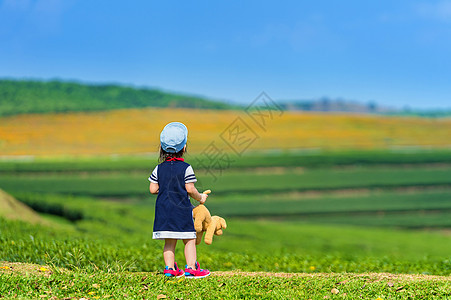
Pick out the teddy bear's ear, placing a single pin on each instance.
(199, 237)
(223, 223)
(198, 223)
(208, 239)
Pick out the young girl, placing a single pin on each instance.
(173, 180)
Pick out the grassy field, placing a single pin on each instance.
(132, 131)
(325, 219)
(97, 248)
(355, 217)
(107, 234)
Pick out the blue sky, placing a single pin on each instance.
(396, 53)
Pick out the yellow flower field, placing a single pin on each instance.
(136, 131)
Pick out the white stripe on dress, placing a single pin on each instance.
(161, 235)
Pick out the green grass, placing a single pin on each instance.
(111, 232)
(24, 281)
(296, 249)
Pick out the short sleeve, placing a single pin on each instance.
(189, 175)
(154, 176)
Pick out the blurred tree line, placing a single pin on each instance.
(29, 96)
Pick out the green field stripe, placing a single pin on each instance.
(333, 204)
(245, 182)
(387, 187)
(347, 214)
(251, 160)
(143, 193)
(329, 178)
(412, 220)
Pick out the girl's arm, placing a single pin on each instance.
(192, 191)
(154, 188)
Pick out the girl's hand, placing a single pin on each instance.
(203, 198)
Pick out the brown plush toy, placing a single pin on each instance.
(204, 222)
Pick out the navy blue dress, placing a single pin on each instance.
(173, 209)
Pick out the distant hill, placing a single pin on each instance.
(33, 96)
(340, 105)
(28, 96)
(12, 209)
(334, 105)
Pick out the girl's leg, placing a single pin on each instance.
(168, 252)
(190, 253)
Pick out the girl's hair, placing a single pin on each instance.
(165, 155)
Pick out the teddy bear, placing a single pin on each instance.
(204, 222)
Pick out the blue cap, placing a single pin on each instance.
(173, 137)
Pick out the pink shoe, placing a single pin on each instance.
(176, 272)
(197, 273)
